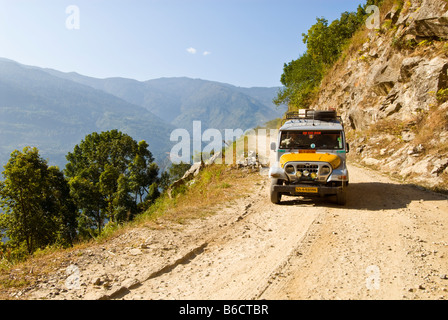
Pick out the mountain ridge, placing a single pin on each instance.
(55, 114)
(179, 95)
(54, 110)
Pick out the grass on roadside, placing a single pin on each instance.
(213, 189)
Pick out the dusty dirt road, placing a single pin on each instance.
(389, 242)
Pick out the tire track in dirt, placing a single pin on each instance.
(239, 262)
(389, 242)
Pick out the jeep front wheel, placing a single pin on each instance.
(276, 197)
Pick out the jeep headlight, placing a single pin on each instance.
(325, 170)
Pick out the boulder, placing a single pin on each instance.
(387, 75)
(190, 174)
(216, 158)
(193, 171)
(393, 14)
(371, 162)
(407, 68)
(419, 168)
(430, 21)
(439, 166)
(430, 76)
(430, 28)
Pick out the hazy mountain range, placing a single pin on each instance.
(54, 111)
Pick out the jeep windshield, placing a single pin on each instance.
(332, 140)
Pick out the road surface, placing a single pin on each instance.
(389, 242)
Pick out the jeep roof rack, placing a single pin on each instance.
(301, 114)
(323, 115)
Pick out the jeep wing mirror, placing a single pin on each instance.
(273, 146)
(348, 147)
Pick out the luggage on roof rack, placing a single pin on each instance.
(324, 115)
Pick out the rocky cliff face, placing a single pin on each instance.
(391, 87)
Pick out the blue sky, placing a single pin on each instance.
(241, 42)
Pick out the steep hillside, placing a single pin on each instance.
(392, 91)
(217, 105)
(54, 114)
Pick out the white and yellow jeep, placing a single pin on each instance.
(310, 157)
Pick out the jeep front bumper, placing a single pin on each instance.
(307, 190)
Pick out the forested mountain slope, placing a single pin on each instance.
(53, 110)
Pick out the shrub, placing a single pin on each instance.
(442, 95)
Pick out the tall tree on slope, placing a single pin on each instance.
(37, 207)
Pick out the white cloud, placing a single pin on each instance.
(191, 50)
(206, 53)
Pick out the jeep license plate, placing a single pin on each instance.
(306, 190)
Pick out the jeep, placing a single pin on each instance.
(310, 157)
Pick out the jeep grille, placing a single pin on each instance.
(306, 171)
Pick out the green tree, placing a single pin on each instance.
(143, 171)
(325, 43)
(320, 44)
(103, 171)
(37, 207)
(59, 201)
(165, 180)
(124, 206)
(300, 78)
(175, 172)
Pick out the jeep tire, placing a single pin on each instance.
(276, 197)
(341, 197)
